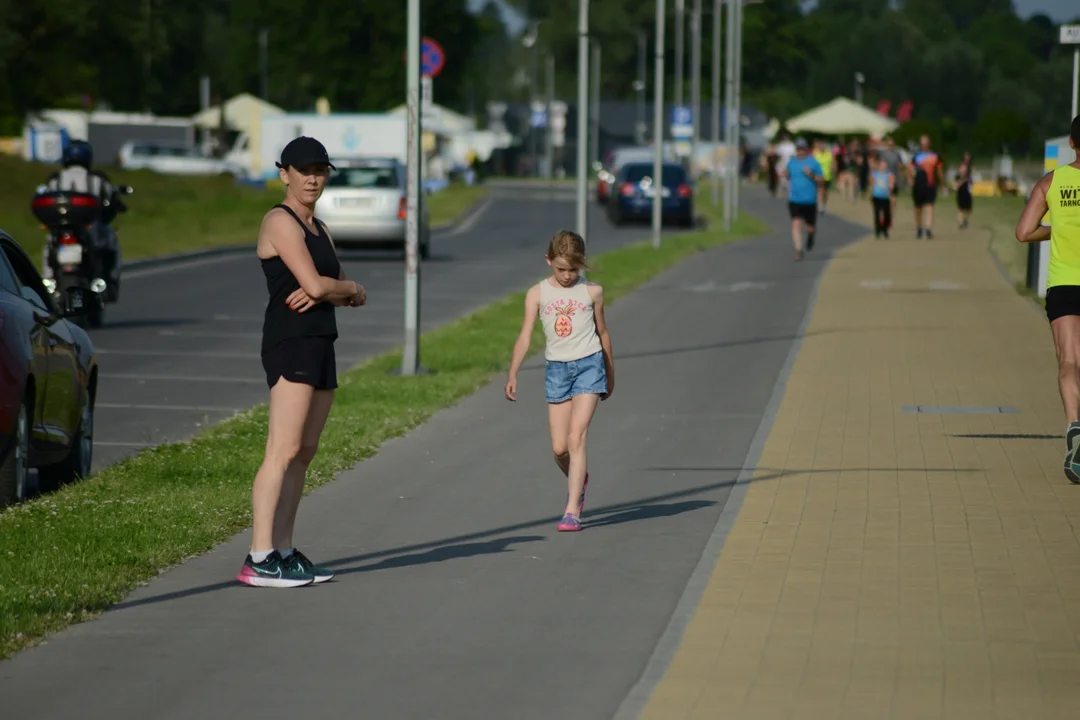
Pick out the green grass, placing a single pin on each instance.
(170, 214)
(68, 555)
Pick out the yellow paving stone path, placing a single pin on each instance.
(899, 565)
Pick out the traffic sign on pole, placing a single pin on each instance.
(432, 57)
(1070, 35)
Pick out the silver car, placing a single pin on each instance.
(363, 205)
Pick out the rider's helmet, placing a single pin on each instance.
(78, 152)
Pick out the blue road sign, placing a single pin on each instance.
(538, 119)
(681, 115)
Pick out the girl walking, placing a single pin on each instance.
(882, 184)
(580, 367)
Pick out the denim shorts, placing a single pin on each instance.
(563, 380)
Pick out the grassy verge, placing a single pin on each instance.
(170, 214)
(67, 556)
(453, 201)
(999, 215)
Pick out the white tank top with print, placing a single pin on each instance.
(567, 317)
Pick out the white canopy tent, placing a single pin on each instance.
(242, 112)
(842, 116)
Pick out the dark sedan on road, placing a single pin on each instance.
(633, 190)
(48, 377)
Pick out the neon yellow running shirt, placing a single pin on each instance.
(1063, 198)
(825, 159)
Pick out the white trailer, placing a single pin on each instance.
(344, 135)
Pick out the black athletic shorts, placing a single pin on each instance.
(925, 195)
(307, 360)
(1062, 300)
(806, 211)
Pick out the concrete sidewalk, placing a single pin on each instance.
(456, 597)
(907, 545)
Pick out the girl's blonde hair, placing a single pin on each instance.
(568, 244)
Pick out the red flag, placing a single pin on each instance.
(903, 113)
(883, 107)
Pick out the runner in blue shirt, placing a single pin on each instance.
(805, 176)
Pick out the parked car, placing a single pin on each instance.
(363, 205)
(48, 379)
(173, 159)
(633, 192)
(614, 162)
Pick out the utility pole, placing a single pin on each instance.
(583, 120)
(695, 81)
(549, 147)
(737, 142)
(680, 22)
(729, 105)
(640, 87)
(716, 102)
(410, 357)
(264, 42)
(595, 112)
(658, 120)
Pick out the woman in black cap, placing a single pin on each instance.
(305, 283)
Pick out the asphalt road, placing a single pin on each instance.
(456, 597)
(180, 350)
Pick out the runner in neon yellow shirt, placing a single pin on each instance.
(1058, 193)
(823, 154)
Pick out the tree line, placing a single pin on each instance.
(977, 75)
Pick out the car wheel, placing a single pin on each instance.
(15, 469)
(77, 464)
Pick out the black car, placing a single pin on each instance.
(48, 378)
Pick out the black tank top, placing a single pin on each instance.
(281, 322)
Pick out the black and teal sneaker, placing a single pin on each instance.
(273, 572)
(299, 561)
(1072, 444)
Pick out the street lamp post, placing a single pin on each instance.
(737, 120)
(658, 122)
(716, 103)
(859, 80)
(695, 81)
(729, 112)
(583, 120)
(410, 357)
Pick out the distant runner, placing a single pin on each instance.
(1058, 192)
(963, 192)
(882, 184)
(824, 156)
(892, 157)
(785, 150)
(927, 175)
(804, 178)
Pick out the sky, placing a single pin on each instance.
(1058, 10)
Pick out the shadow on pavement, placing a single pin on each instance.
(447, 552)
(633, 510)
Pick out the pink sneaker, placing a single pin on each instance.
(569, 523)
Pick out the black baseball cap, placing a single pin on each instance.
(303, 151)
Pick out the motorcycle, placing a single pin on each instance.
(70, 252)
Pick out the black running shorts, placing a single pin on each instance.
(1062, 300)
(307, 360)
(925, 195)
(806, 211)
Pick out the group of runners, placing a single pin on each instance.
(807, 174)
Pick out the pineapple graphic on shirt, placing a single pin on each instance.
(563, 324)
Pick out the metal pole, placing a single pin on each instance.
(641, 88)
(658, 130)
(583, 121)
(595, 112)
(533, 131)
(737, 120)
(695, 81)
(264, 41)
(549, 146)
(729, 106)
(680, 21)
(410, 358)
(1076, 82)
(716, 102)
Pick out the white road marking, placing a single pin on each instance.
(183, 378)
(179, 408)
(470, 223)
(878, 284)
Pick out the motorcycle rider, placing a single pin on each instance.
(77, 175)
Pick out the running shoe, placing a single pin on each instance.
(273, 572)
(301, 563)
(569, 523)
(1072, 444)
